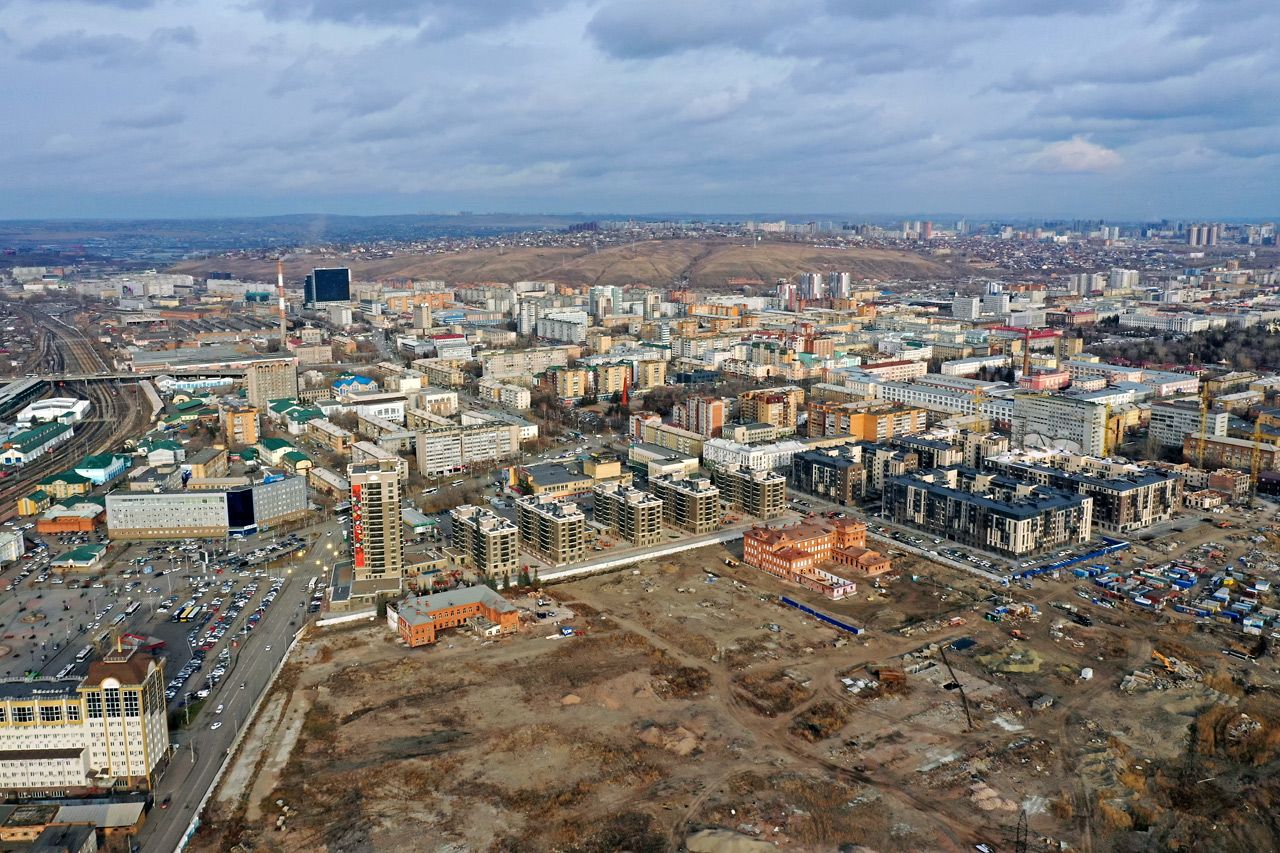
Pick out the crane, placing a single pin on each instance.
(1203, 438)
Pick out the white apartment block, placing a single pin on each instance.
(1171, 422)
(1180, 323)
(568, 326)
(450, 449)
(515, 396)
(1067, 422)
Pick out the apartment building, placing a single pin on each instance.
(446, 450)
(514, 396)
(651, 430)
(1125, 497)
(835, 474)
(1220, 451)
(611, 379)
(648, 374)
(691, 504)
(271, 380)
(704, 415)
(553, 530)
(328, 434)
(776, 406)
(759, 493)
(507, 364)
(865, 420)
(241, 425)
(1172, 422)
(988, 512)
(1069, 422)
(108, 730)
(570, 326)
(570, 384)
(376, 547)
(419, 618)
(212, 462)
(487, 541)
(367, 451)
(629, 513)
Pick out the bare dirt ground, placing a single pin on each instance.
(691, 704)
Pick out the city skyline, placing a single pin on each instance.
(1124, 111)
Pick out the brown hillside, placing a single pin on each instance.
(661, 263)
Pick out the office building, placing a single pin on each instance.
(376, 551)
(487, 541)
(206, 513)
(988, 512)
(1172, 422)
(629, 513)
(554, 530)
(271, 380)
(759, 493)
(703, 415)
(691, 504)
(419, 618)
(327, 285)
(966, 307)
(108, 730)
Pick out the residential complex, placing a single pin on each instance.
(553, 530)
(762, 494)
(487, 541)
(628, 513)
(690, 504)
(776, 406)
(865, 420)
(271, 380)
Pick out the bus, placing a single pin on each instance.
(83, 653)
(186, 614)
(311, 584)
(66, 670)
(118, 619)
(132, 608)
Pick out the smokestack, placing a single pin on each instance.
(280, 283)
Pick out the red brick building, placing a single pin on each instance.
(418, 618)
(796, 553)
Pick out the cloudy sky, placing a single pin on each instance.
(1109, 108)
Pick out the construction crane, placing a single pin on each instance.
(1203, 438)
(964, 700)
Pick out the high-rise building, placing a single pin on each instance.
(421, 317)
(327, 285)
(375, 520)
(776, 406)
(688, 503)
(966, 307)
(271, 380)
(703, 415)
(1068, 422)
(759, 493)
(569, 383)
(241, 423)
(552, 529)
(629, 513)
(486, 540)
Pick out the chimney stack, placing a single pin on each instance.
(280, 283)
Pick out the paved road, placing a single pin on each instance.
(203, 749)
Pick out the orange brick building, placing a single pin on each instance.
(419, 617)
(796, 553)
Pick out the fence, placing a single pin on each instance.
(823, 617)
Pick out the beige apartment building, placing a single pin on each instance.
(241, 424)
(629, 513)
(487, 541)
(761, 493)
(376, 548)
(271, 380)
(691, 504)
(553, 530)
(776, 406)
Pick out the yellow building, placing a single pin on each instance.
(569, 383)
(650, 374)
(611, 379)
(241, 424)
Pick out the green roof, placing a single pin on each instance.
(166, 444)
(300, 415)
(188, 404)
(32, 438)
(37, 496)
(76, 500)
(99, 460)
(280, 406)
(83, 554)
(296, 456)
(65, 477)
(274, 444)
(248, 454)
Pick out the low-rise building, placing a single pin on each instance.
(419, 619)
(31, 444)
(328, 434)
(799, 553)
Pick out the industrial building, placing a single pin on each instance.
(691, 504)
(759, 493)
(628, 513)
(487, 541)
(554, 530)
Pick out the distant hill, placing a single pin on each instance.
(704, 264)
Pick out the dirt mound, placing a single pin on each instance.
(676, 739)
(724, 841)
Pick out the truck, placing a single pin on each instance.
(1018, 635)
(566, 631)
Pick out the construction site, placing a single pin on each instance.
(696, 703)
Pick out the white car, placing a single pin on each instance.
(218, 710)
(216, 725)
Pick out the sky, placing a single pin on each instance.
(1117, 109)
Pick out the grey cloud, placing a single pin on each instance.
(148, 118)
(128, 5)
(645, 29)
(175, 35)
(79, 45)
(438, 18)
